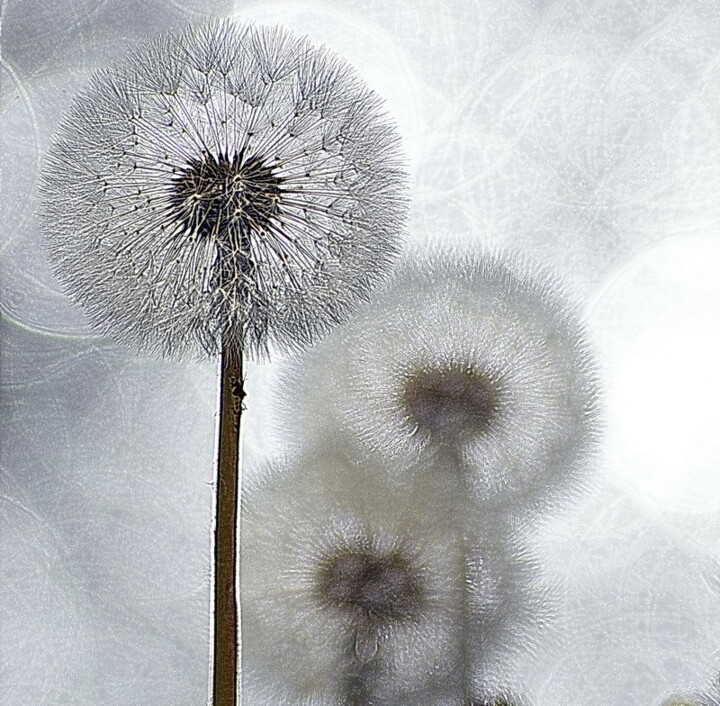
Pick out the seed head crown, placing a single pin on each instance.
(223, 186)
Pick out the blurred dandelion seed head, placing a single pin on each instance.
(223, 185)
(379, 588)
(341, 571)
(469, 363)
(451, 400)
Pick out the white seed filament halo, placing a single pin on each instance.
(223, 186)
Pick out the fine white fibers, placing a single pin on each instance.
(511, 613)
(712, 696)
(223, 186)
(303, 640)
(476, 362)
(709, 697)
(500, 697)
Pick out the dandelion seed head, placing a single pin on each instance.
(223, 185)
(382, 588)
(467, 363)
(219, 196)
(345, 578)
(447, 401)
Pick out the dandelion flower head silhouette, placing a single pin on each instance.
(223, 186)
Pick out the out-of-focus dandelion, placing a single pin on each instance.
(222, 191)
(356, 591)
(470, 362)
(352, 591)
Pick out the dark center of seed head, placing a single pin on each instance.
(379, 587)
(450, 401)
(217, 195)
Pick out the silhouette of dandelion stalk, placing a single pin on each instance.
(223, 191)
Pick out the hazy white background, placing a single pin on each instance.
(585, 133)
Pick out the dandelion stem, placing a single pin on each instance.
(225, 648)
(465, 516)
(358, 673)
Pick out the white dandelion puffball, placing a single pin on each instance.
(223, 186)
(352, 594)
(468, 362)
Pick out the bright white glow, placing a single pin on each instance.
(658, 322)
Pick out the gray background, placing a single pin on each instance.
(584, 133)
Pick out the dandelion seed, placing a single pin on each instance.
(472, 363)
(223, 191)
